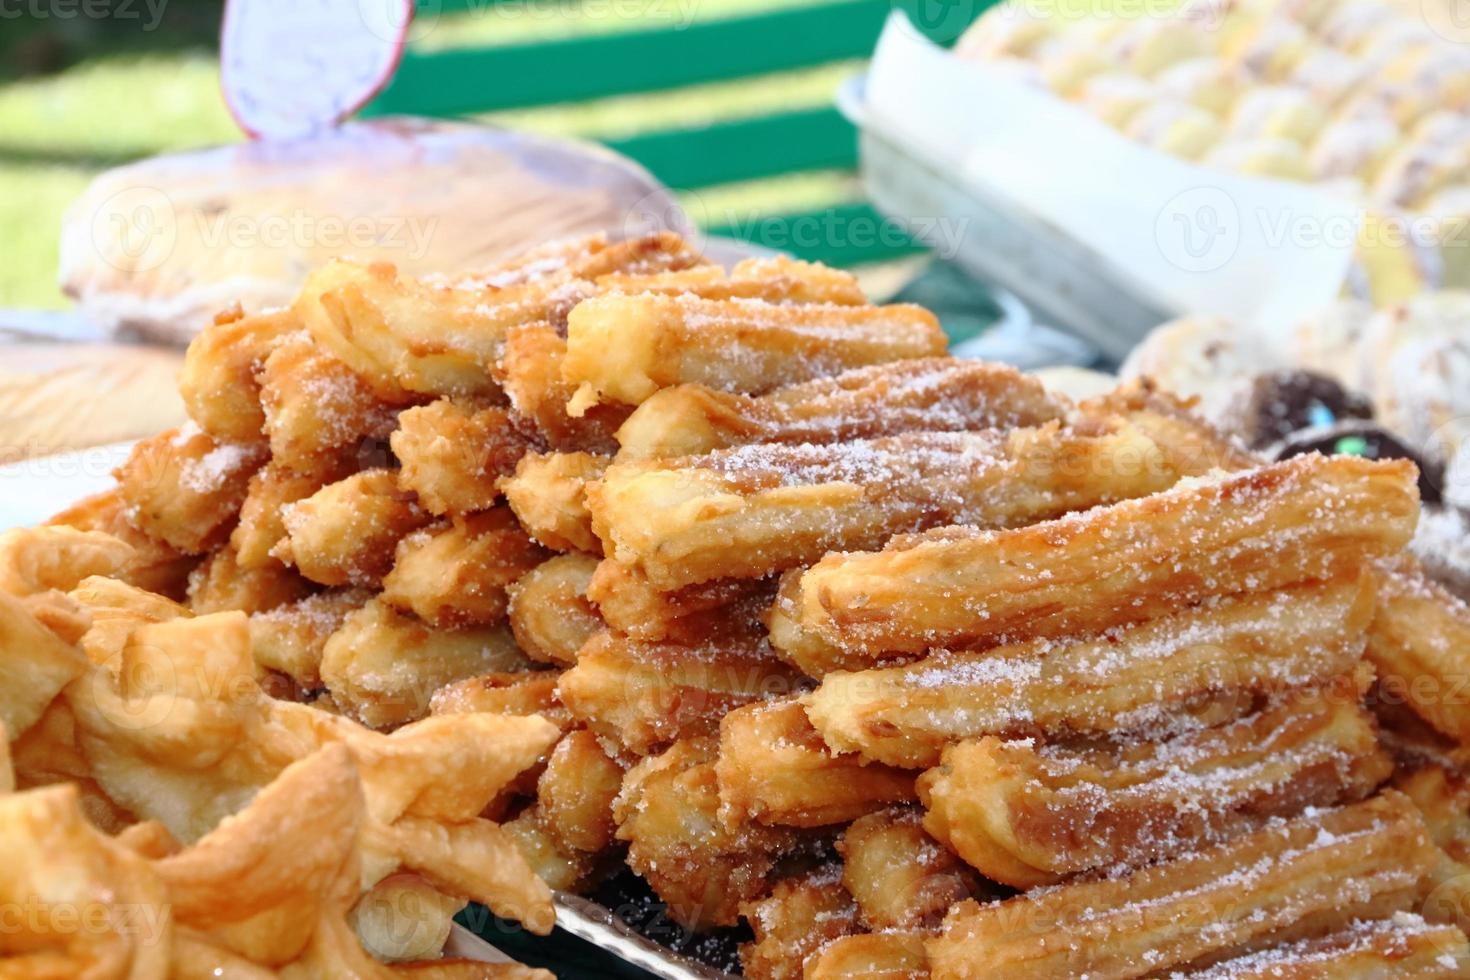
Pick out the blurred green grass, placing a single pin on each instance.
(117, 99)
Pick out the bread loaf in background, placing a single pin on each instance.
(153, 249)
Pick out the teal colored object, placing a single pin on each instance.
(463, 81)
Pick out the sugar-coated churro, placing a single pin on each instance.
(1129, 678)
(1318, 873)
(1420, 643)
(1305, 518)
(1027, 814)
(938, 394)
(754, 510)
(623, 348)
(648, 694)
(774, 768)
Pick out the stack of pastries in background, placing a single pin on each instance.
(906, 662)
(1366, 98)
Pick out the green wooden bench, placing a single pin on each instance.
(463, 81)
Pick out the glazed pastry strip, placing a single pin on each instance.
(1306, 518)
(774, 768)
(938, 394)
(1318, 873)
(1028, 815)
(1131, 678)
(623, 348)
(754, 510)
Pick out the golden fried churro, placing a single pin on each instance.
(1128, 678)
(458, 575)
(1420, 643)
(901, 878)
(220, 583)
(218, 380)
(1443, 798)
(290, 638)
(631, 604)
(454, 455)
(1301, 519)
(888, 955)
(754, 510)
(777, 279)
(1189, 445)
(530, 370)
(382, 666)
(346, 532)
(798, 917)
(262, 523)
(1315, 874)
(405, 336)
(314, 405)
(560, 867)
(701, 868)
(648, 694)
(938, 394)
(548, 494)
(1402, 946)
(623, 348)
(1027, 815)
(184, 488)
(576, 791)
(526, 692)
(774, 768)
(592, 257)
(549, 611)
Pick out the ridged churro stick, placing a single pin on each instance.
(1130, 678)
(407, 336)
(648, 694)
(623, 348)
(631, 604)
(936, 394)
(1026, 814)
(1316, 874)
(754, 510)
(1305, 518)
(776, 280)
(1402, 946)
(1420, 643)
(774, 768)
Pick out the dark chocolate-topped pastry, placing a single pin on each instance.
(1357, 437)
(1279, 403)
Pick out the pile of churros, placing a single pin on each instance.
(472, 589)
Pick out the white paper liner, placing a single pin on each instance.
(1257, 251)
